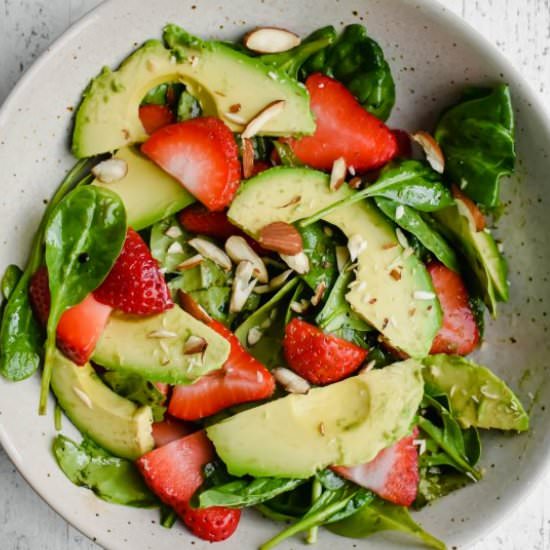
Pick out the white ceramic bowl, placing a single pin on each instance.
(433, 55)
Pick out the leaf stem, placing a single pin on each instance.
(316, 490)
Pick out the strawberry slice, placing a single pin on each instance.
(240, 380)
(477, 215)
(154, 117)
(169, 430)
(459, 333)
(259, 167)
(392, 474)
(202, 155)
(344, 129)
(213, 524)
(79, 327)
(318, 357)
(135, 283)
(404, 145)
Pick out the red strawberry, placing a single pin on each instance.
(154, 117)
(319, 357)
(344, 129)
(404, 146)
(80, 326)
(240, 380)
(459, 333)
(202, 155)
(135, 283)
(169, 430)
(259, 167)
(197, 219)
(479, 218)
(213, 524)
(392, 474)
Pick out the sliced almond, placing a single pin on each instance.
(300, 307)
(162, 333)
(234, 117)
(190, 263)
(192, 307)
(262, 118)
(211, 251)
(434, 154)
(248, 158)
(175, 248)
(242, 286)
(173, 232)
(338, 174)
(356, 245)
(254, 336)
(290, 381)
(401, 238)
(355, 182)
(110, 170)
(298, 262)
(280, 280)
(239, 250)
(319, 293)
(368, 367)
(270, 40)
(281, 237)
(342, 257)
(194, 344)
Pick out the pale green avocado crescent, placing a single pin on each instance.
(405, 310)
(228, 84)
(346, 423)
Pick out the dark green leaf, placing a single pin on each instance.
(168, 516)
(188, 107)
(436, 484)
(10, 279)
(156, 95)
(83, 238)
(477, 138)
(319, 248)
(329, 480)
(379, 515)
(286, 155)
(478, 308)
(111, 478)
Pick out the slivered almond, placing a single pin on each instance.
(211, 251)
(298, 262)
(162, 333)
(190, 263)
(356, 245)
(281, 237)
(280, 280)
(175, 248)
(173, 232)
(355, 182)
(192, 307)
(110, 170)
(319, 293)
(338, 174)
(342, 257)
(270, 40)
(431, 149)
(239, 250)
(262, 118)
(242, 286)
(248, 158)
(254, 336)
(290, 381)
(194, 344)
(235, 118)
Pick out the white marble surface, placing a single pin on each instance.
(520, 29)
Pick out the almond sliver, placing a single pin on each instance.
(262, 118)
(271, 40)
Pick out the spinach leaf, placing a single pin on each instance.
(10, 279)
(156, 95)
(319, 248)
(411, 220)
(188, 107)
(20, 334)
(168, 516)
(168, 244)
(435, 484)
(330, 480)
(292, 60)
(287, 155)
(137, 389)
(478, 309)
(288, 506)
(407, 182)
(111, 478)
(379, 515)
(357, 61)
(477, 139)
(83, 238)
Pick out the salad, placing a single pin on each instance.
(251, 292)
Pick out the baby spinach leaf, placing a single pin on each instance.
(435, 484)
(188, 107)
(111, 478)
(287, 155)
(83, 238)
(10, 279)
(319, 248)
(357, 61)
(168, 516)
(477, 139)
(21, 337)
(379, 515)
(411, 220)
(330, 480)
(288, 506)
(171, 249)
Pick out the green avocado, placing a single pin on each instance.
(476, 395)
(117, 424)
(228, 84)
(149, 194)
(154, 347)
(346, 423)
(405, 310)
(481, 251)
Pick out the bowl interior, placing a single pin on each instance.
(433, 55)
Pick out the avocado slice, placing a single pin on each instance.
(117, 424)
(153, 347)
(476, 395)
(397, 308)
(346, 423)
(481, 251)
(216, 74)
(149, 194)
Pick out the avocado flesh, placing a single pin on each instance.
(410, 324)
(347, 423)
(477, 396)
(149, 194)
(153, 347)
(481, 251)
(117, 424)
(218, 76)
